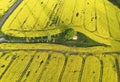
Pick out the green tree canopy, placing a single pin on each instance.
(70, 33)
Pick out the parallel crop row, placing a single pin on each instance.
(48, 66)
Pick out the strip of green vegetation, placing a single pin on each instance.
(116, 2)
(64, 38)
(0, 17)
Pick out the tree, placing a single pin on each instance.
(70, 33)
(49, 38)
(118, 1)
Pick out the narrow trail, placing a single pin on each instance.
(9, 12)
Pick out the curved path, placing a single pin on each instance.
(7, 14)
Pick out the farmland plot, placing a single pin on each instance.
(54, 66)
(5, 5)
(43, 62)
(94, 18)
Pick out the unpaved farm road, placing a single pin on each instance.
(9, 12)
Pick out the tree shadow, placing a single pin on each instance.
(115, 2)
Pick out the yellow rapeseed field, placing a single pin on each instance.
(5, 5)
(97, 19)
(53, 66)
(43, 62)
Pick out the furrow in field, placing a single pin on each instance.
(36, 67)
(53, 15)
(91, 71)
(109, 69)
(118, 15)
(118, 66)
(102, 21)
(66, 16)
(53, 68)
(114, 28)
(17, 67)
(78, 15)
(40, 15)
(5, 6)
(90, 16)
(73, 69)
(12, 22)
(6, 60)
